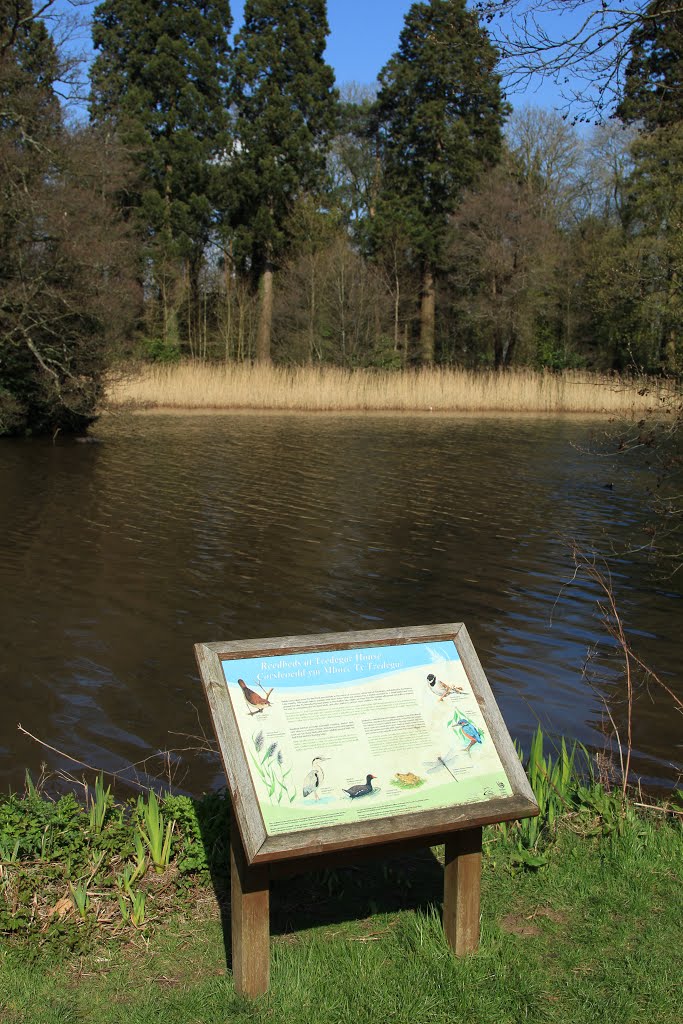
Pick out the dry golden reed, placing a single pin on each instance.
(202, 386)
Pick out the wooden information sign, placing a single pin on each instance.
(339, 745)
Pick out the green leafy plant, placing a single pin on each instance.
(47, 844)
(554, 783)
(31, 791)
(155, 832)
(131, 903)
(45, 830)
(137, 914)
(202, 836)
(190, 852)
(99, 806)
(9, 854)
(127, 879)
(79, 894)
(612, 809)
(124, 907)
(140, 857)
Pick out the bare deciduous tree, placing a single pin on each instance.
(582, 45)
(549, 153)
(345, 313)
(503, 254)
(64, 261)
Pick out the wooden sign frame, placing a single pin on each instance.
(258, 855)
(260, 848)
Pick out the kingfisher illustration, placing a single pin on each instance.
(468, 730)
(255, 699)
(361, 790)
(315, 778)
(442, 689)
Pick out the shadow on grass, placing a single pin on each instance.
(322, 896)
(345, 895)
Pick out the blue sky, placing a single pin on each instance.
(363, 35)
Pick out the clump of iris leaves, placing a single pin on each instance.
(70, 867)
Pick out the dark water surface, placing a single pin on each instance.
(119, 556)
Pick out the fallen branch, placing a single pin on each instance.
(91, 768)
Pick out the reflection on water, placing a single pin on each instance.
(119, 556)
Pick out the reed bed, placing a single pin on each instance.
(201, 386)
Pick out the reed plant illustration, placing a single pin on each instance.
(270, 764)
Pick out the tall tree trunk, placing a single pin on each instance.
(667, 348)
(397, 310)
(427, 316)
(312, 312)
(171, 330)
(265, 315)
(667, 353)
(228, 311)
(193, 309)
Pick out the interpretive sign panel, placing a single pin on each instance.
(346, 736)
(348, 739)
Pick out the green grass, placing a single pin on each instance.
(595, 935)
(581, 918)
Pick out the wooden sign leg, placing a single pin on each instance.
(250, 920)
(461, 892)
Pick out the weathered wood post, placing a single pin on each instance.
(250, 919)
(461, 890)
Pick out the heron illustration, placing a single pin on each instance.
(315, 778)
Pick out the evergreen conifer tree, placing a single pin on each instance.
(439, 112)
(653, 102)
(160, 78)
(653, 83)
(285, 104)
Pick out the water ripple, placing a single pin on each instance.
(119, 557)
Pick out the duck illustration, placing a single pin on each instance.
(361, 789)
(469, 732)
(315, 778)
(255, 699)
(442, 689)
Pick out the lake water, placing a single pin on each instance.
(119, 556)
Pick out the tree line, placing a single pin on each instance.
(224, 200)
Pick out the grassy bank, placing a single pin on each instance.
(580, 919)
(199, 386)
(594, 936)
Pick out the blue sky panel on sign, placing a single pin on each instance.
(338, 668)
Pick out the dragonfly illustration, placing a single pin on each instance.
(440, 763)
